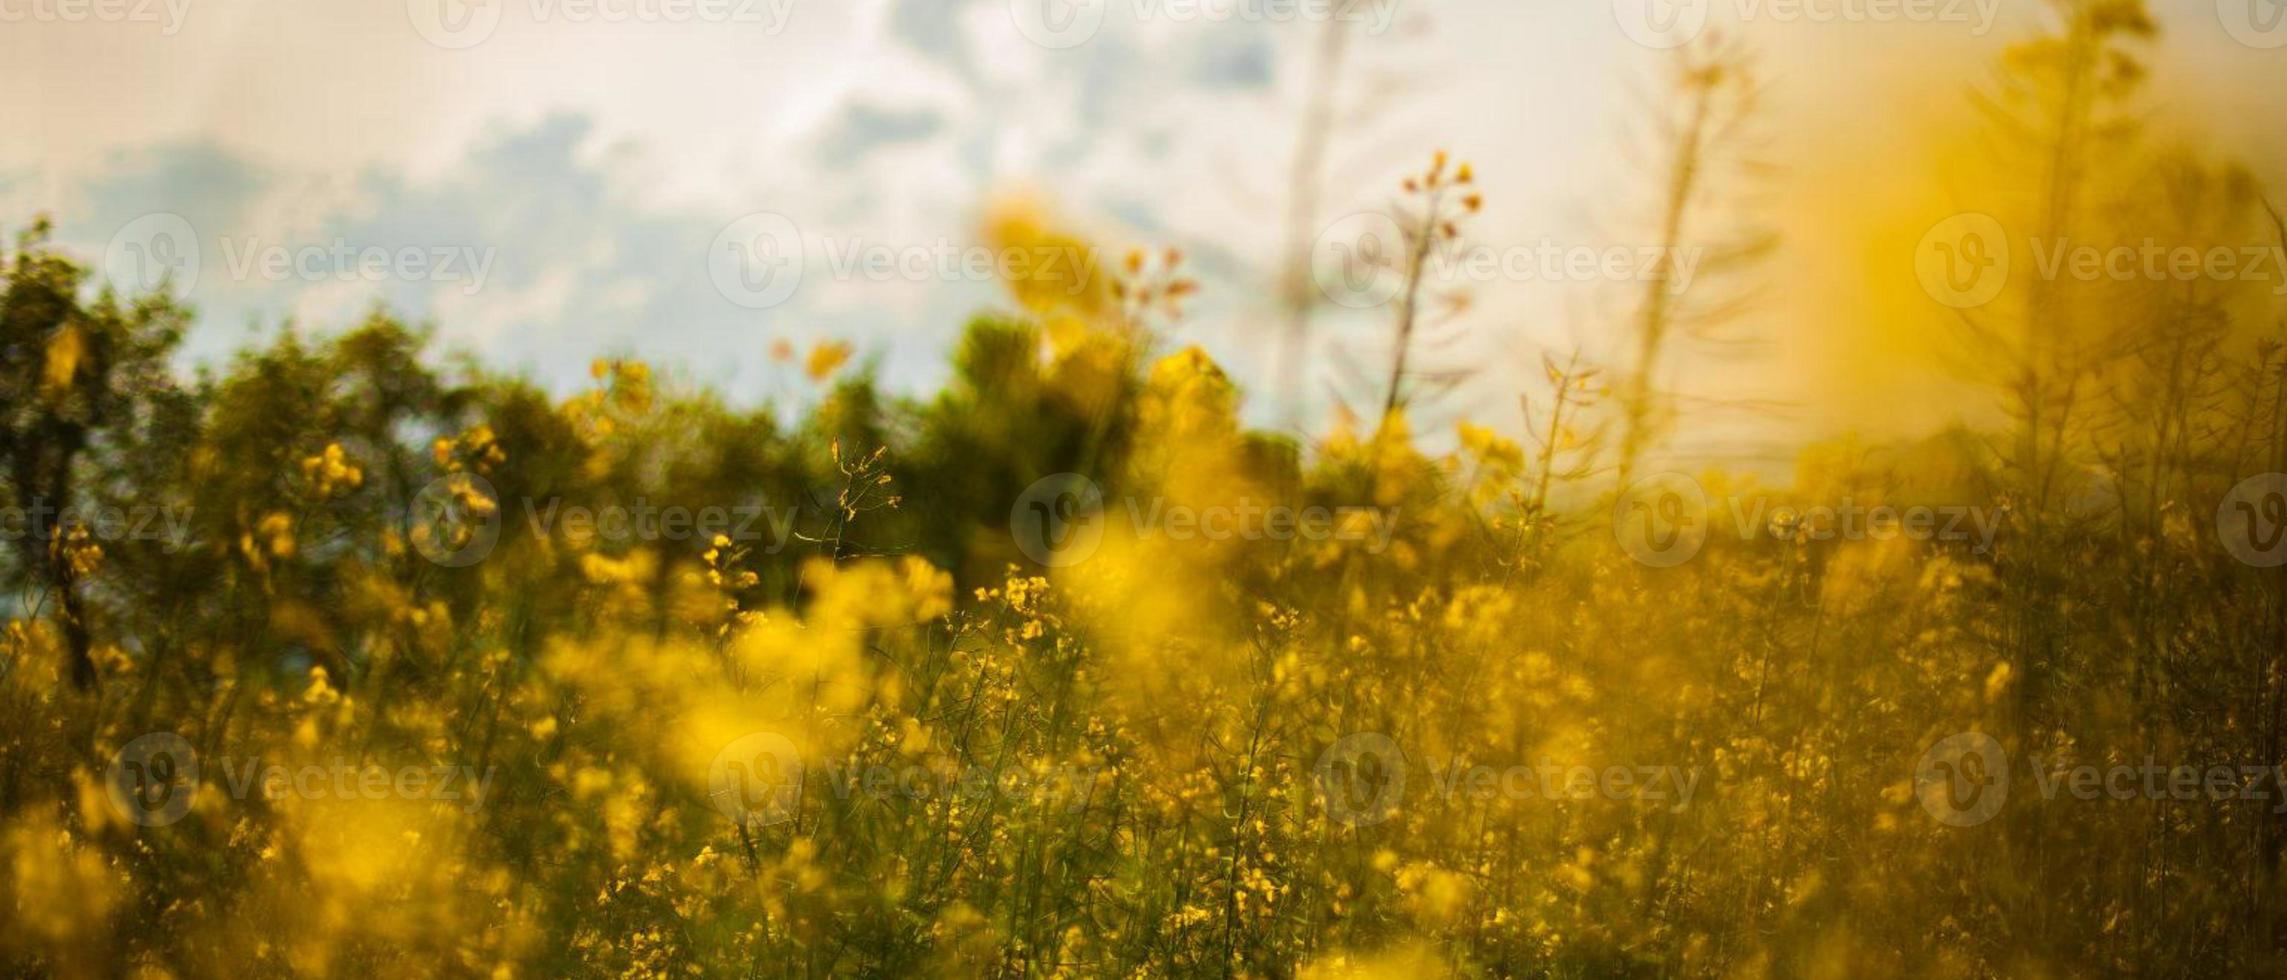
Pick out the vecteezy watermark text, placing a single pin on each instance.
(153, 780)
(1071, 23)
(247, 258)
(40, 522)
(1674, 23)
(1060, 520)
(457, 24)
(1362, 780)
(1966, 260)
(168, 14)
(760, 780)
(1363, 261)
(761, 259)
(164, 249)
(1963, 780)
(1665, 519)
(456, 521)
(766, 528)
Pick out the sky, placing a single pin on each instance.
(546, 181)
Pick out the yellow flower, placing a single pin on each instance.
(825, 359)
(62, 363)
(1051, 272)
(331, 472)
(1490, 448)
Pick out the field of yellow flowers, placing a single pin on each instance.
(638, 684)
(350, 658)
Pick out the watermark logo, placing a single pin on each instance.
(1059, 521)
(454, 521)
(1058, 23)
(2260, 24)
(760, 260)
(1056, 521)
(1963, 262)
(757, 780)
(153, 779)
(462, 24)
(2252, 521)
(854, 259)
(457, 521)
(1665, 519)
(1361, 779)
(751, 525)
(1359, 261)
(756, 262)
(1661, 24)
(760, 780)
(1963, 779)
(455, 24)
(1661, 520)
(163, 249)
(151, 251)
(1365, 260)
(341, 779)
(1063, 24)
